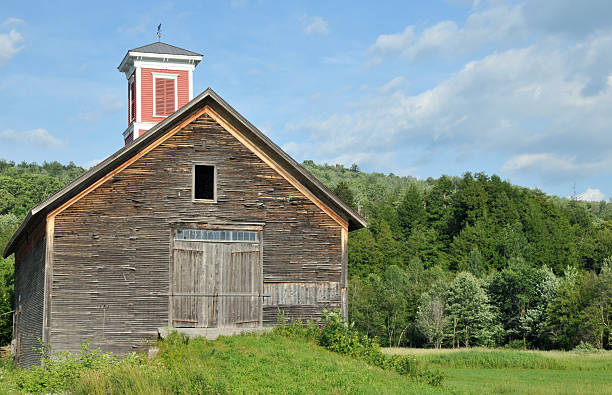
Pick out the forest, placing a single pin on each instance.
(448, 262)
(475, 261)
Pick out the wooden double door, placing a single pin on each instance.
(216, 284)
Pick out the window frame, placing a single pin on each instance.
(131, 99)
(157, 76)
(193, 182)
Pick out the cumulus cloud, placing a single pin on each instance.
(555, 166)
(591, 195)
(12, 21)
(38, 137)
(9, 45)
(568, 17)
(500, 24)
(316, 25)
(532, 105)
(395, 84)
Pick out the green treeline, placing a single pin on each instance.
(474, 260)
(450, 261)
(23, 186)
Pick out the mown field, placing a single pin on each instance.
(485, 371)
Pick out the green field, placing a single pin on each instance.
(484, 371)
(239, 364)
(276, 364)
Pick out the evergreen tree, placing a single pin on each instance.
(344, 192)
(411, 210)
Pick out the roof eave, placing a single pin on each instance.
(354, 220)
(8, 250)
(353, 217)
(193, 59)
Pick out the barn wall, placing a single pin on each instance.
(29, 298)
(112, 247)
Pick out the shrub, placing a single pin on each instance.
(585, 347)
(59, 372)
(335, 334)
(515, 344)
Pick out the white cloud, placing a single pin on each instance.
(554, 165)
(9, 45)
(568, 18)
(12, 21)
(500, 24)
(546, 107)
(91, 163)
(38, 137)
(316, 25)
(591, 195)
(238, 3)
(393, 85)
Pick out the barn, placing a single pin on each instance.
(200, 223)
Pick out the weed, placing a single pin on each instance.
(337, 335)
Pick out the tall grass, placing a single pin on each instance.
(246, 364)
(514, 359)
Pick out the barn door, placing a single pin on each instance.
(216, 279)
(194, 285)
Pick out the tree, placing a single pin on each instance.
(475, 263)
(344, 192)
(469, 313)
(597, 316)
(521, 294)
(364, 257)
(395, 305)
(379, 306)
(564, 311)
(411, 210)
(431, 315)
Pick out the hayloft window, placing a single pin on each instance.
(216, 235)
(165, 97)
(204, 182)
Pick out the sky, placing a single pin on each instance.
(521, 89)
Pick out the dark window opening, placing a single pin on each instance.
(204, 182)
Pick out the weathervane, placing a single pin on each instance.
(159, 33)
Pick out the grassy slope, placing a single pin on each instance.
(248, 364)
(525, 372)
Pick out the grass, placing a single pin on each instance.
(277, 364)
(240, 364)
(487, 371)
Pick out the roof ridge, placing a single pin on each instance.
(98, 171)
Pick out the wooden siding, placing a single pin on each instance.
(216, 285)
(146, 93)
(113, 246)
(29, 298)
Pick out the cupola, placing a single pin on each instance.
(160, 81)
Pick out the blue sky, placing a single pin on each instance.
(522, 89)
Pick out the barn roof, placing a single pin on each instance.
(229, 114)
(163, 48)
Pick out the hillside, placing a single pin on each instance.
(536, 269)
(540, 265)
(239, 364)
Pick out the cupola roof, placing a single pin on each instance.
(163, 48)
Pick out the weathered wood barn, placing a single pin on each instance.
(199, 221)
